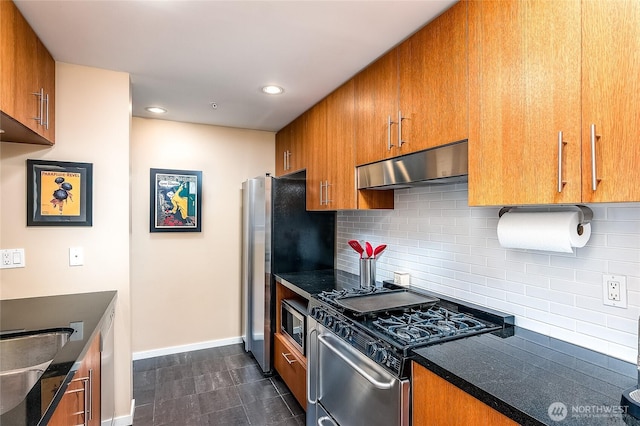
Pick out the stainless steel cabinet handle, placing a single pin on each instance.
(86, 412)
(400, 118)
(286, 357)
(377, 383)
(40, 96)
(46, 100)
(288, 160)
(321, 187)
(389, 123)
(284, 160)
(89, 396)
(561, 145)
(326, 193)
(594, 173)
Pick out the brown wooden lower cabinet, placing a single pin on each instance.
(80, 403)
(292, 367)
(435, 402)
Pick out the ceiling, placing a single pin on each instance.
(183, 55)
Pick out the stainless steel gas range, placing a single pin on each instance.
(359, 344)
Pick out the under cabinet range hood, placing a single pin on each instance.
(444, 164)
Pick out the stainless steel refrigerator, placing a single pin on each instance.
(279, 236)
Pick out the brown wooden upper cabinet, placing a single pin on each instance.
(27, 81)
(416, 96)
(290, 149)
(555, 102)
(329, 138)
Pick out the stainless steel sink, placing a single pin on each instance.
(23, 359)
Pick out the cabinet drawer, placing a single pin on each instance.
(292, 367)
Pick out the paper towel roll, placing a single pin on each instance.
(548, 231)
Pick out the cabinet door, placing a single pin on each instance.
(26, 106)
(292, 367)
(376, 103)
(297, 151)
(437, 402)
(7, 55)
(26, 69)
(47, 81)
(315, 143)
(434, 95)
(340, 164)
(84, 388)
(524, 90)
(283, 146)
(611, 100)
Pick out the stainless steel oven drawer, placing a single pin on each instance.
(355, 390)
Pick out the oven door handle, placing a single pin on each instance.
(324, 419)
(312, 374)
(326, 340)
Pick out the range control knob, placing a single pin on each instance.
(319, 314)
(337, 326)
(345, 332)
(328, 321)
(381, 355)
(372, 348)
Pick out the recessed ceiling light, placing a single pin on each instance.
(156, 110)
(272, 90)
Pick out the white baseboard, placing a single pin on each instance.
(124, 420)
(185, 348)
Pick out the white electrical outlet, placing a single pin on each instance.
(12, 258)
(614, 290)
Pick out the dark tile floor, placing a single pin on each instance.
(217, 386)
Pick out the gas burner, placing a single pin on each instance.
(418, 326)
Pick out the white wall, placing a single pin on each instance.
(453, 249)
(186, 286)
(92, 126)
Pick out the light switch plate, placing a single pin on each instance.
(12, 258)
(78, 331)
(76, 256)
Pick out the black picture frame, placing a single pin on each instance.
(175, 200)
(59, 193)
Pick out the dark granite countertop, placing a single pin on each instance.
(522, 375)
(38, 313)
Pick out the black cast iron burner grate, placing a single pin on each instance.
(422, 326)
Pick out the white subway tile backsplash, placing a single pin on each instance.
(551, 319)
(624, 212)
(548, 271)
(453, 249)
(529, 302)
(551, 295)
(624, 268)
(581, 288)
(623, 241)
(579, 314)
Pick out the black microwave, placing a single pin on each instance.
(293, 323)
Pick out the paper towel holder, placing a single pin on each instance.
(586, 214)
